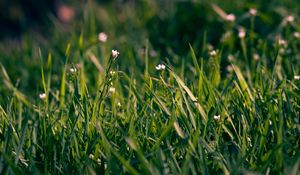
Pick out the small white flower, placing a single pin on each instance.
(160, 67)
(73, 70)
(229, 68)
(91, 156)
(253, 12)
(256, 57)
(212, 53)
(112, 89)
(119, 104)
(290, 18)
(242, 33)
(282, 42)
(112, 72)
(297, 77)
(115, 53)
(296, 35)
(30, 122)
(217, 117)
(42, 96)
(230, 17)
(249, 140)
(102, 37)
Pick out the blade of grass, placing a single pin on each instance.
(193, 98)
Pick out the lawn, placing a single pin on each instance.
(153, 87)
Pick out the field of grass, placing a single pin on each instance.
(198, 87)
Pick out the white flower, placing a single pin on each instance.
(115, 53)
(249, 140)
(229, 68)
(112, 72)
(30, 122)
(42, 96)
(102, 37)
(256, 57)
(112, 89)
(282, 42)
(297, 77)
(73, 70)
(230, 17)
(217, 117)
(296, 35)
(212, 53)
(242, 32)
(253, 12)
(290, 18)
(119, 104)
(91, 156)
(160, 67)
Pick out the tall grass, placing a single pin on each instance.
(203, 113)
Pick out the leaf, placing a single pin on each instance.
(242, 82)
(193, 98)
(195, 59)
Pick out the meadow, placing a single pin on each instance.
(154, 87)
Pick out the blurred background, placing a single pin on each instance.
(163, 21)
(165, 27)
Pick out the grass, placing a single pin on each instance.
(222, 105)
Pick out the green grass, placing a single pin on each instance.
(122, 116)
